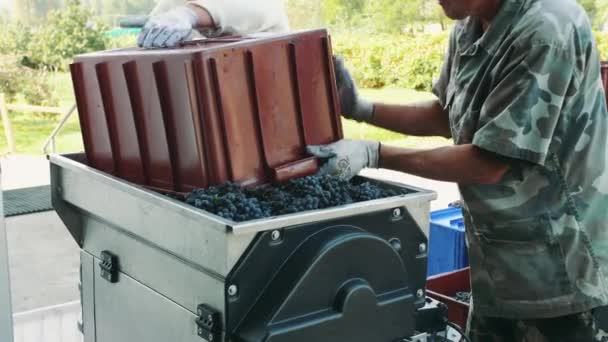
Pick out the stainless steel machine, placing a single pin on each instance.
(155, 269)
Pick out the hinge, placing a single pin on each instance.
(209, 323)
(109, 267)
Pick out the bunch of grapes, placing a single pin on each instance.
(236, 203)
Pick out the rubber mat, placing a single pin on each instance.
(27, 201)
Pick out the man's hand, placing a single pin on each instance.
(353, 107)
(168, 29)
(346, 158)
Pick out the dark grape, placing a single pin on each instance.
(233, 202)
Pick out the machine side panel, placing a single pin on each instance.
(185, 283)
(162, 222)
(128, 311)
(87, 298)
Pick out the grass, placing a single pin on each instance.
(31, 130)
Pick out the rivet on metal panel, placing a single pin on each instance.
(422, 248)
(396, 213)
(233, 290)
(396, 244)
(276, 235)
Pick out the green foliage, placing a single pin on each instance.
(393, 60)
(32, 85)
(391, 16)
(123, 41)
(14, 38)
(67, 33)
(602, 44)
(342, 12)
(305, 14)
(377, 16)
(403, 61)
(591, 8)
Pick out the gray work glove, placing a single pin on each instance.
(352, 105)
(346, 158)
(168, 29)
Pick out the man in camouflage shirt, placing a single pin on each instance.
(520, 94)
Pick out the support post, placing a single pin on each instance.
(6, 122)
(6, 315)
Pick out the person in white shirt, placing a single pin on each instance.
(173, 21)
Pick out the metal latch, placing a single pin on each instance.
(209, 323)
(109, 267)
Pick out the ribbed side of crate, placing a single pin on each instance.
(204, 114)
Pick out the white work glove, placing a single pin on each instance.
(346, 158)
(353, 106)
(168, 29)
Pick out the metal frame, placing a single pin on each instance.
(6, 315)
(149, 232)
(51, 139)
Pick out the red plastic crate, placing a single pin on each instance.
(604, 70)
(443, 287)
(214, 110)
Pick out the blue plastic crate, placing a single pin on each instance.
(447, 245)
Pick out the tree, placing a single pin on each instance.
(342, 12)
(395, 16)
(601, 15)
(67, 33)
(305, 14)
(591, 8)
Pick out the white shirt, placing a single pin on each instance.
(237, 17)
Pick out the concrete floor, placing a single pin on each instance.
(43, 258)
(43, 262)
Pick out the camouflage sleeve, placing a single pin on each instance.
(519, 117)
(441, 84)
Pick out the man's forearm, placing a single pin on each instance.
(419, 119)
(464, 164)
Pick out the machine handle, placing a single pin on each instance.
(301, 168)
(226, 39)
(109, 267)
(133, 21)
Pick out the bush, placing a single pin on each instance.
(15, 39)
(32, 85)
(67, 33)
(393, 60)
(404, 61)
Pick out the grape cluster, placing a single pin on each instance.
(236, 203)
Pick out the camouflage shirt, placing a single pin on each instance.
(529, 90)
